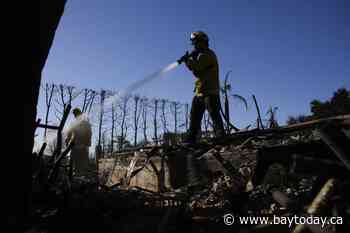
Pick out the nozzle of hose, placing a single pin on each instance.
(184, 58)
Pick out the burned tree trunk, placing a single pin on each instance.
(136, 118)
(98, 147)
(175, 106)
(258, 111)
(60, 102)
(113, 127)
(272, 121)
(225, 89)
(66, 95)
(88, 99)
(123, 121)
(163, 117)
(50, 15)
(123, 125)
(49, 91)
(155, 125)
(91, 100)
(103, 93)
(144, 119)
(186, 116)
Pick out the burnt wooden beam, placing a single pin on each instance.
(149, 154)
(64, 117)
(37, 123)
(59, 142)
(319, 206)
(139, 148)
(239, 181)
(332, 135)
(38, 166)
(287, 129)
(54, 171)
(293, 156)
(47, 126)
(42, 149)
(131, 168)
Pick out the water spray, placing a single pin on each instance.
(127, 91)
(139, 83)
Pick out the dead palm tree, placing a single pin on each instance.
(226, 91)
(272, 122)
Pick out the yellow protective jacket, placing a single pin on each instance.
(205, 69)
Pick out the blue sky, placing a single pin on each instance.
(287, 53)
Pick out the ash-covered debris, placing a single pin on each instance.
(242, 178)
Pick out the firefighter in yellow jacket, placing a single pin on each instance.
(80, 130)
(203, 64)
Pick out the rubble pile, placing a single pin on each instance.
(253, 173)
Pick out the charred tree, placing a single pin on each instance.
(66, 94)
(49, 92)
(20, 195)
(98, 152)
(226, 91)
(272, 121)
(91, 100)
(123, 124)
(102, 99)
(175, 110)
(144, 118)
(88, 99)
(164, 117)
(155, 125)
(186, 116)
(113, 122)
(259, 121)
(137, 115)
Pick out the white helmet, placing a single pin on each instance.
(199, 35)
